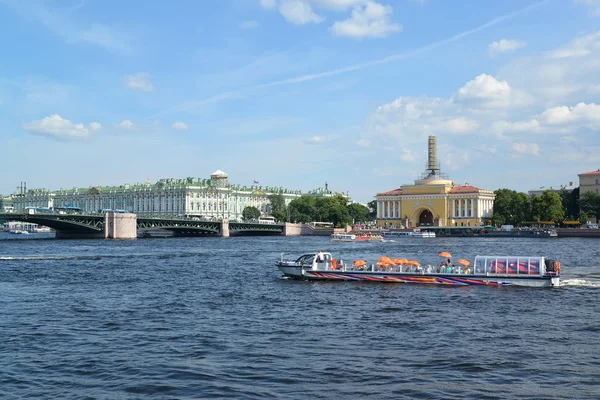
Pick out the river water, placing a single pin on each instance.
(192, 318)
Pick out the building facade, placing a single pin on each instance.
(207, 198)
(538, 192)
(589, 182)
(434, 200)
(6, 204)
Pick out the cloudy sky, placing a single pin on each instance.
(298, 92)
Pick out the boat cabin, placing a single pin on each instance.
(510, 265)
(317, 263)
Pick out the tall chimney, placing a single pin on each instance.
(432, 163)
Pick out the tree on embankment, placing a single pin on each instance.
(590, 204)
(277, 207)
(333, 209)
(250, 213)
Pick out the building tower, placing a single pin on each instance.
(432, 163)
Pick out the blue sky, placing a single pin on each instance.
(294, 93)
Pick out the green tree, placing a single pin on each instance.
(303, 209)
(372, 209)
(537, 208)
(590, 204)
(359, 213)
(548, 207)
(582, 218)
(277, 206)
(504, 211)
(250, 213)
(570, 202)
(521, 208)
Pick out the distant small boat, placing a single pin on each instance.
(19, 232)
(343, 237)
(369, 238)
(416, 233)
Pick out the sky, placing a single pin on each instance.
(296, 93)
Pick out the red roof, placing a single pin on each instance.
(591, 173)
(394, 192)
(464, 189)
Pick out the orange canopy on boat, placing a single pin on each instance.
(445, 254)
(464, 262)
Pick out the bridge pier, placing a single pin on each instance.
(224, 228)
(120, 225)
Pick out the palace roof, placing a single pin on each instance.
(394, 192)
(591, 173)
(464, 189)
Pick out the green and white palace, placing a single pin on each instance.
(208, 198)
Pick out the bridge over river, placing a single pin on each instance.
(74, 225)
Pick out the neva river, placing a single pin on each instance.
(192, 318)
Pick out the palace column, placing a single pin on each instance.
(453, 208)
(378, 209)
(465, 208)
(472, 208)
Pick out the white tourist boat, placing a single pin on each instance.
(343, 237)
(486, 270)
(415, 233)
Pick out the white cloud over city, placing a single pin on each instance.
(505, 46)
(367, 19)
(59, 128)
(514, 112)
(140, 81)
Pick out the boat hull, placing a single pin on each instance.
(297, 272)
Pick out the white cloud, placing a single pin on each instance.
(139, 81)
(579, 47)
(535, 96)
(368, 18)
(593, 5)
(461, 125)
(179, 126)
(526, 148)
(407, 155)
(371, 20)
(485, 89)
(316, 140)
(268, 4)
(249, 24)
(338, 5)
(299, 12)
(581, 112)
(505, 46)
(59, 128)
(126, 124)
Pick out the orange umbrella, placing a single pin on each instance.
(415, 263)
(464, 262)
(403, 261)
(359, 263)
(385, 259)
(445, 254)
(381, 263)
(397, 261)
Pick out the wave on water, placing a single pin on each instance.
(41, 258)
(580, 283)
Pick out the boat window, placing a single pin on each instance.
(306, 259)
(508, 265)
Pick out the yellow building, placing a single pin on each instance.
(434, 200)
(589, 182)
